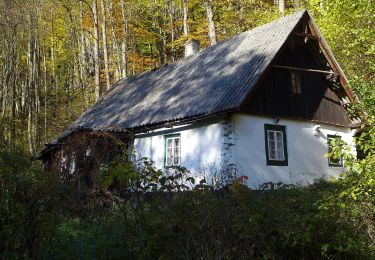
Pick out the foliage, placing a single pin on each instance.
(136, 212)
(354, 193)
(351, 39)
(30, 201)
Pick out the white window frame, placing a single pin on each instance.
(174, 148)
(275, 136)
(276, 145)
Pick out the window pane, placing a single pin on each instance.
(296, 83)
(280, 154)
(270, 135)
(177, 151)
(173, 151)
(275, 145)
(177, 142)
(271, 145)
(169, 155)
(272, 154)
(279, 138)
(176, 161)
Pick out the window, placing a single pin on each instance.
(172, 150)
(275, 141)
(295, 78)
(335, 162)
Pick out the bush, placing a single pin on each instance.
(136, 212)
(29, 203)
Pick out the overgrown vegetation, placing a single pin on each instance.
(136, 212)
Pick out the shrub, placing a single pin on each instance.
(136, 212)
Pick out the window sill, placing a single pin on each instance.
(277, 163)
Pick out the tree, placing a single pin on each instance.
(105, 47)
(281, 6)
(96, 50)
(186, 16)
(211, 24)
(125, 41)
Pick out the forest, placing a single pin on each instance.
(58, 57)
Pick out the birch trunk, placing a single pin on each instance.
(116, 45)
(171, 19)
(105, 46)
(45, 95)
(36, 69)
(281, 6)
(30, 59)
(96, 50)
(13, 68)
(83, 58)
(211, 23)
(125, 41)
(53, 52)
(186, 15)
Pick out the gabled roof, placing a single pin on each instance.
(215, 80)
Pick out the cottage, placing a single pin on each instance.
(263, 104)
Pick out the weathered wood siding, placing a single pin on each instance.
(274, 96)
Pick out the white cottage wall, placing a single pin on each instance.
(306, 161)
(201, 147)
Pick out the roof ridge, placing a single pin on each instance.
(184, 59)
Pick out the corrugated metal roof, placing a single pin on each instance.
(213, 80)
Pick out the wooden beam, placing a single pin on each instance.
(300, 69)
(306, 35)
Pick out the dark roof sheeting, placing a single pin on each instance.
(213, 80)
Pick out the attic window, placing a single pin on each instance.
(295, 78)
(173, 150)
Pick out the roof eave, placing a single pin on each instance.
(330, 57)
(134, 130)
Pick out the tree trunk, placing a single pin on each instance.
(116, 45)
(211, 23)
(281, 6)
(105, 47)
(96, 50)
(45, 94)
(186, 15)
(30, 85)
(125, 41)
(53, 52)
(171, 18)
